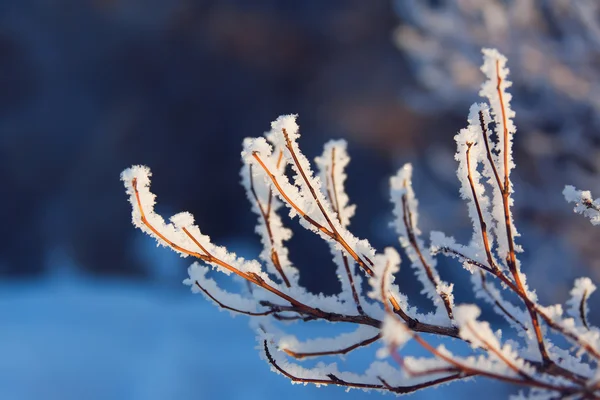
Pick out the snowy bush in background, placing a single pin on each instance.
(554, 353)
(554, 48)
(553, 45)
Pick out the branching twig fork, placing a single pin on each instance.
(408, 225)
(333, 199)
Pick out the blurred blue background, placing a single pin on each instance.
(89, 308)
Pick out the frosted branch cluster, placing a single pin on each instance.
(555, 354)
(553, 47)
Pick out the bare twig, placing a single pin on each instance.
(333, 199)
(226, 307)
(266, 215)
(407, 218)
(334, 380)
(344, 350)
(582, 313)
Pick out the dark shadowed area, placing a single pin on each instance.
(89, 88)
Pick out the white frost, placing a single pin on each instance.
(584, 204)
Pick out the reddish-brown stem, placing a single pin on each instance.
(296, 306)
(586, 346)
(400, 360)
(498, 304)
(196, 242)
(408, 225)
(493, 269)
(500, 356)
(345, 350)
(226, 307)
(511, 257)
(529, 304)
(334, 380)
(482, 224)
(512, 264)
(411, 323)
(308, 312)
(302, 173)
(333, 199)
(266, 215)
(331, 381)
(288, 200)
(553, 370)
(355, 296)
(335, 234)
(504, 128)
(458, 254)
(156, 232)
(251, 277)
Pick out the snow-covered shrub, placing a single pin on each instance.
(554, 354)
(553, 47)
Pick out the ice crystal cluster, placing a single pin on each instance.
(555, 353)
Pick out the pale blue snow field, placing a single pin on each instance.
(92, 339)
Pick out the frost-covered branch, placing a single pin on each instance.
(383, 317)
(331, 166)
(405, 210)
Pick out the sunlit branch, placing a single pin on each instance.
(552, 370)
(288, 200)
(490, 252)
(302, 173)
(497, 272)
(482, 223)
(336, 236)
(249, 276)
(266, 215)
(511, 257)
(475, 371)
